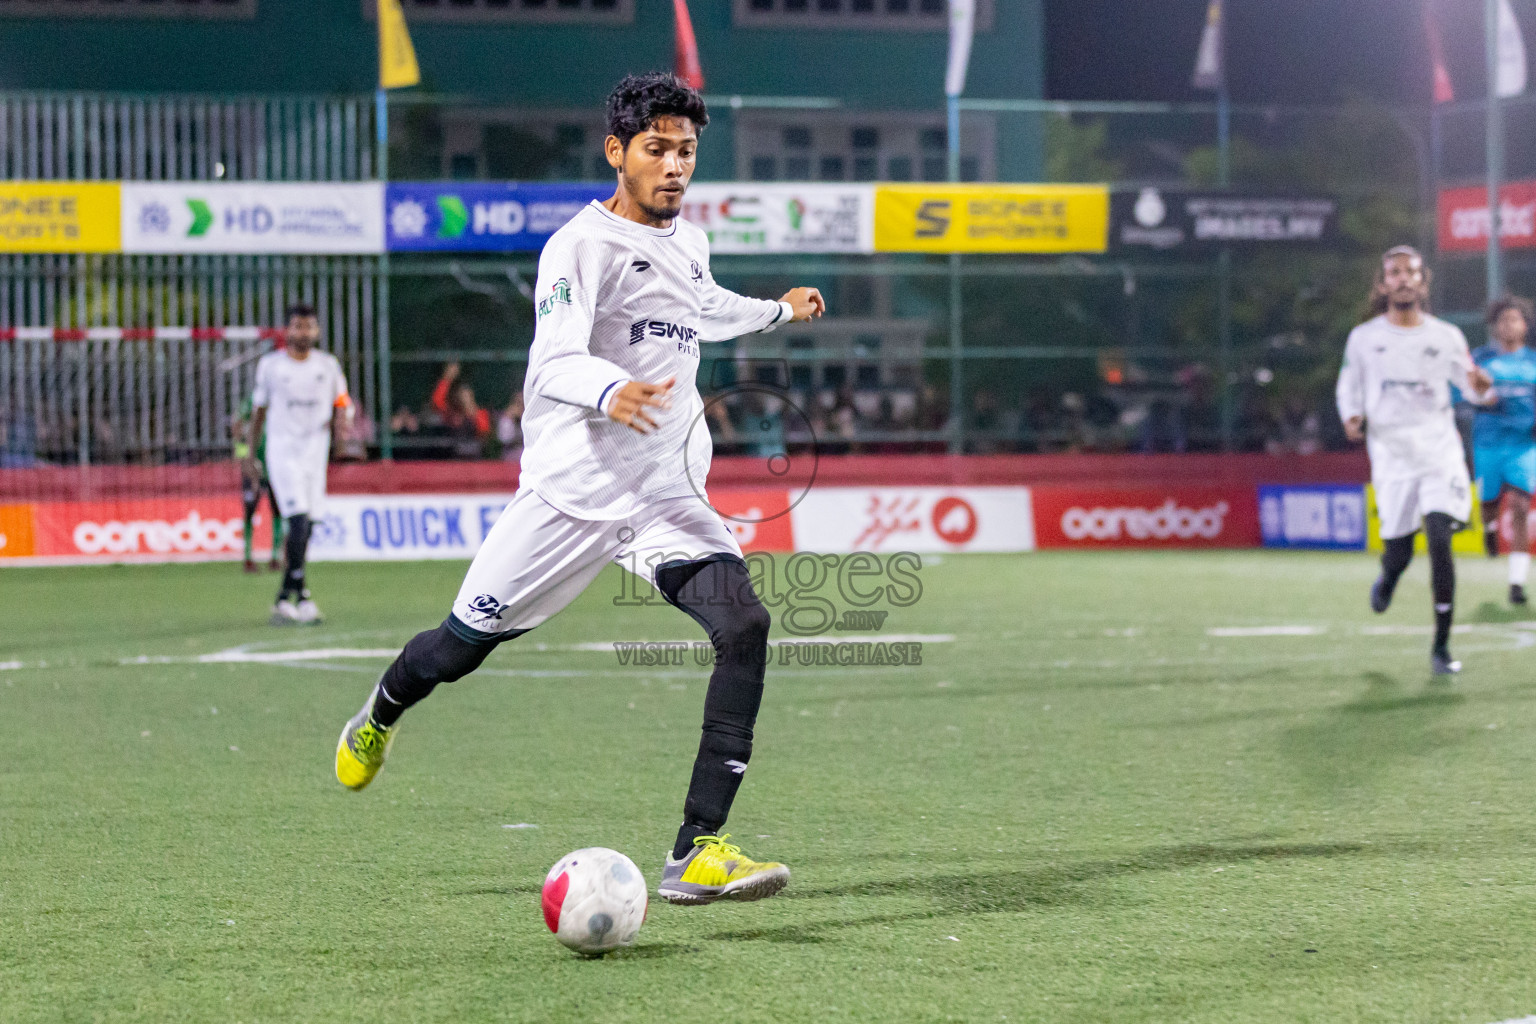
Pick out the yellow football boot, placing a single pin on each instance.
(361, 751)
(715, 870)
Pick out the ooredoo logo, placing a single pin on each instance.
(954, 520)
(189, 535)
(1168, 521)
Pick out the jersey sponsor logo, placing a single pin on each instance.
(487, 607)
(561, 292)
(697, 272)
(661, 329)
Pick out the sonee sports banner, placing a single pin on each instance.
(991, 218)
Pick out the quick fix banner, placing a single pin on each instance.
(253, 217)
(991, 218)
(59, 216)
(757, 218)
(1175, 219)
(481, 216)
(1464, 219)
(1326, 516)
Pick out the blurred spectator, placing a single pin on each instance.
(1297, 430)
(460, 416)
(509, 428)
(404, 423)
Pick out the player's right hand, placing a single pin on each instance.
(1354, 428)
(632, 404)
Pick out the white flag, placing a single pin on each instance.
(1511, 74)
(962, 25)
(1209, 73)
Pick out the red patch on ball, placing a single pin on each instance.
(554, 898)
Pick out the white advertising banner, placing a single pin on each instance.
(402, 527)
(253, 217)
(921, 519)
(752, 217)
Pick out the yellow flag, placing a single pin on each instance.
(397, 58)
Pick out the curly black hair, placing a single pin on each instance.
(640, 100)
(1497, 307)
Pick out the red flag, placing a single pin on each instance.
(687, 56)
(1444, 92)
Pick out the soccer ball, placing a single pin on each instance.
(594, 900)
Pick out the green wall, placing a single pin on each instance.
(327, 46)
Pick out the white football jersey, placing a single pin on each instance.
(1400, 380)
(300, 396)
(619, 301)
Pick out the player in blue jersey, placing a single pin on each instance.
(1504, 434)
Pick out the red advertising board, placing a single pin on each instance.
(148, 529)
(1464, 217)
(759, 518)
(1169, 517)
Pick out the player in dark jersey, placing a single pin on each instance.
(1504, 435)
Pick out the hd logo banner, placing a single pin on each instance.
(59, 216)
(253, 217)
(481, 216)
(991, 218)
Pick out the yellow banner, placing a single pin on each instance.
(991, 218)
(397, 57)
(60, 216)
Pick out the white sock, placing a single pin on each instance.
(1519, 567)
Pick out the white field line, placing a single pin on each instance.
(9, 665)
(1266, 631)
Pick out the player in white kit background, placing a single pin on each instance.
(616, 451)
(300, 401)
(1394, 393)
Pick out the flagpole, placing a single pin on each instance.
(1494, 141)
(956, 359)
(1224, 259)
(386, 396)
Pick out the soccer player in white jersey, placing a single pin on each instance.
(616, 449)
(1394, 393)
(300, 400)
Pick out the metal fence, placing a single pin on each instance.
(87, 136)
(170, 400)
(84, 401)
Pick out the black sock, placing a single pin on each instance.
(297, 545)
(1395, 556)
(718, 595)
(685, 837)
(1438, 529)
(435, 656)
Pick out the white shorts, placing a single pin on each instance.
(1404, 502)
(537, 559)
(298, 484)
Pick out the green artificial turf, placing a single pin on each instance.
(1083, 807)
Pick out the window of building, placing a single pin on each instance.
(584, 12)
(517, 144)
(898, 15)
(833, 145)
(128, 9)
